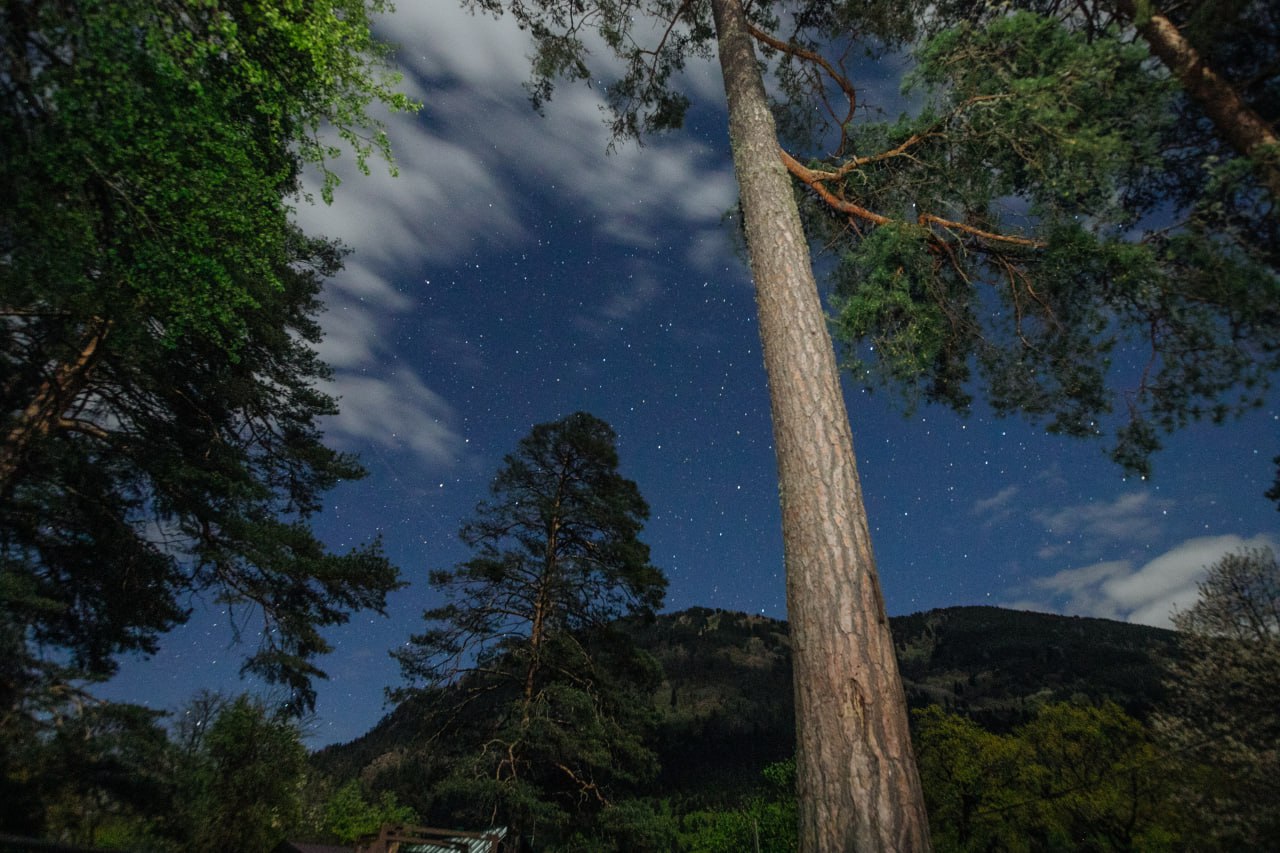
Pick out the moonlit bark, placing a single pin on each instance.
(1242, 128)
(856, 774)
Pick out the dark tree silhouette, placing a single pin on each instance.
(537, 701)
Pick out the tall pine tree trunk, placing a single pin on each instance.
(856, 773)
(1243, 129)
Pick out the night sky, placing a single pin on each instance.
(514, 273)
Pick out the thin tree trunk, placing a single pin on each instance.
(1242, 128)
(856, 774)
(45, 411)
(541, 611)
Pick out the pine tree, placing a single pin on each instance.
(1059, 231)
(983, 245)
(538, 702)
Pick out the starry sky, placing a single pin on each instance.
(514, 272)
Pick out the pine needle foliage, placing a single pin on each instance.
(536, 705)
(1003, 243)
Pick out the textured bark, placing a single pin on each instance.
(856, 773)
(45, 412)
(1242, 128)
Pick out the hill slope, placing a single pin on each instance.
(726, 704)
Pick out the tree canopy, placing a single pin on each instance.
(1065, 223)
(533, 701)
(1223, 710)
(1044, 234)
(160, 431)
(1074, 777)
(249, 779)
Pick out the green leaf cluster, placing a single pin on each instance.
(251, 779)
(228, 775)
(1044, 113)
(349, 816)
(161, 392)
(765, 822)
(1076, 777)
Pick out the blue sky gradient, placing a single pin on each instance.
(514, 273)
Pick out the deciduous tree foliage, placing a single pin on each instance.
(537, 703)
(1075, 777)
(159, 434)
(765, 823)
(349, 816)
(103, 773)
(250, 779)
(228, 775)
(1223, 710)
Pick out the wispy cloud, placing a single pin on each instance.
(997, 508)
(1133, 518)
(1118, 589)
(465, 165)
(397, 413)
(997, 501)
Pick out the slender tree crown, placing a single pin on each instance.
(537, 702)
(557, 551)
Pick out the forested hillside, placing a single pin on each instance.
(725, 706)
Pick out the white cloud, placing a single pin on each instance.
(1147, 594)
(397, 413)
(444, 200)
(441, 39)
(1128, 518)
(350, 334)
(1093, 527)
(997, 502)
(466, 164)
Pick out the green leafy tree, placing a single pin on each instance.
(159, 426)
(763, 824)
(250, 779)
(539, 704)
(104, 777)
(966, 772)
(1223, 710)
(1076, 777)
(349, 816)
(1103, 782)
